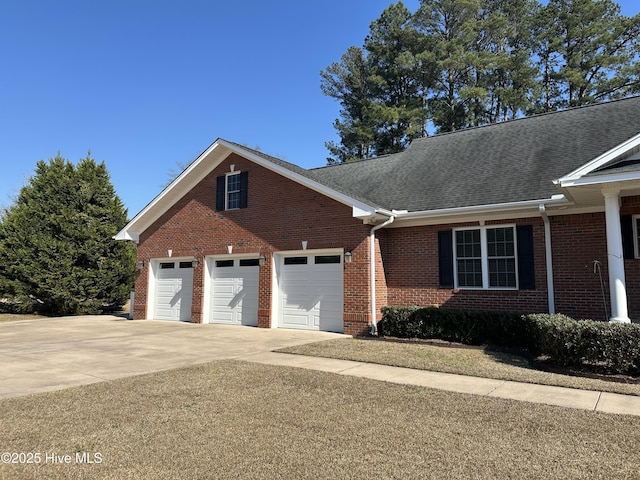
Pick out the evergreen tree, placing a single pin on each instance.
(394, 50)
(509, 73)
(589, 51)
(349, 82)
(56, 241)
(461, 63)
(452, 29)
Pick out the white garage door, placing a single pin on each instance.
(234, 291)
(173, 290)
(311, 294)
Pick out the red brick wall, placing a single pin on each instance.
(578, 241)
(406, 258)
(192, 227)
(410, 258)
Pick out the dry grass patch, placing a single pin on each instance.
(241, 420)
(14, 317)
(477, 362)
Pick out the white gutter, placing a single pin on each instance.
(484, 209)
(547, 246)
(372, 271)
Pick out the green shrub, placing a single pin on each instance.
(608, 347)
(464, 326)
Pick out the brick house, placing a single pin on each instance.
(539, 214)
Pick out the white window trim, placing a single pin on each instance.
(484, 262)
(226, 190)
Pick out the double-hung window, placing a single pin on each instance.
(485, 257)
(231, 191)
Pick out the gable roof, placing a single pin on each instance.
(513, 161)
(514, 164)
(207, 161)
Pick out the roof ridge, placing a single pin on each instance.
(529, 117)
(260, 152)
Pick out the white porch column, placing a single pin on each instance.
(615, 258)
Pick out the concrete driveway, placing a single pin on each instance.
(56, 353)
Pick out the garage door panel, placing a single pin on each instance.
(224, 317)
(296, 321)
(173, 291)
(311, 293)
(234, 293)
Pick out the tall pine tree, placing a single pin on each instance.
(349, 82)
(461, 63)
(595, 50)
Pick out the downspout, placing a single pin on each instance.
(372, 271)
(547, 247)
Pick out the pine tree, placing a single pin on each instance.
(589, 51)
(456, 64)
(56, 241)
(394, 50)
(349, 82)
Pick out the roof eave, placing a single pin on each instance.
(474, 212)
(603, 179)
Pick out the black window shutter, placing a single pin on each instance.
(220, 187)
(526, 276)
(244, 182)
(445, 258)
(626, 225)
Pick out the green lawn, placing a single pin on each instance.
(241, 420)
(441, 357)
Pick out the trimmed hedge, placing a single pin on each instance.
(609, 347)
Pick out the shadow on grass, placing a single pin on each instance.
(516, 357)
(523, 359)
(511, 356)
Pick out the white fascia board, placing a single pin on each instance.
(169, 195)
(358, 212)
(599, 179)
(555, 200)
(603, 159)
(194, 173)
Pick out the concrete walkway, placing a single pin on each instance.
(52, 354)
(527, 392)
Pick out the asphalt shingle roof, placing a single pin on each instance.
(501, 163)
(310, 174)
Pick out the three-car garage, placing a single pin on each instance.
(306, 286)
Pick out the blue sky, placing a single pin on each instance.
(148, 84)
